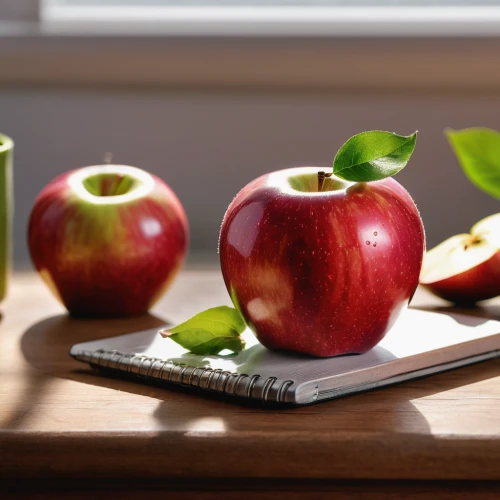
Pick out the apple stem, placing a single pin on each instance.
(321, 179)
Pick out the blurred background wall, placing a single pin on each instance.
(209, 120)
(208, 144)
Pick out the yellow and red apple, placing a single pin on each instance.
(107, 239)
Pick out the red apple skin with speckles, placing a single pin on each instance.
(112, 259)
(322, 273)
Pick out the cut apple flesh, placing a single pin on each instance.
(489, 229)
(457, 255)
(465, 269)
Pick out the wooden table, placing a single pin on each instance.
(64, 428)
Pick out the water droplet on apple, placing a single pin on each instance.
(367, 242)
(375, 233)
(374, 243)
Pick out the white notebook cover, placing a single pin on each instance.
(421, 343)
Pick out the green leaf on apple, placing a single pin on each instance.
(373, 155)
(478, 152)
(210, 331)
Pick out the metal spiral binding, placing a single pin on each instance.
(228, 378)
(267, 386)
(139, 374)
(109, 359)
(150, 370)
(160, 372)
(251, 385)
(170, 371)
(204, 378)
(211, 377)
(120, 359)
(238, 380)
(190, 378)
(200, 375)
(280, 397)
(181, 374)
(200, 380)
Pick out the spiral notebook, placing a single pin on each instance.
(421, 343)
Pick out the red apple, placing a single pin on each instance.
(322, 273)
(107, 239)
(465, 268)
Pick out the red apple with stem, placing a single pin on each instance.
(326, 271)
(315, 262)
(107, 239)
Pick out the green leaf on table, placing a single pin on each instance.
(478, 152)
(373, 155)
(210, 331)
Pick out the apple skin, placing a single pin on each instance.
(322, 273)
(100, 255)
(479, 283)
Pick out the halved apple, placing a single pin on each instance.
(465, 268)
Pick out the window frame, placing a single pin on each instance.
(275, 21)
(34, 53)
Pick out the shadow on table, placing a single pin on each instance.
(46, 344)
(45, 347)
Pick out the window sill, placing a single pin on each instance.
(31, 56)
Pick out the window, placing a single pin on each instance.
(248, 43)
(282, 17)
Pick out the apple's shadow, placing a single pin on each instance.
(46, 344)
(469, 316)
(391, 409)
(45, 347)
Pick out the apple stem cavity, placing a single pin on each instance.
(475, 240)
(321, 179)
(114, 184)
